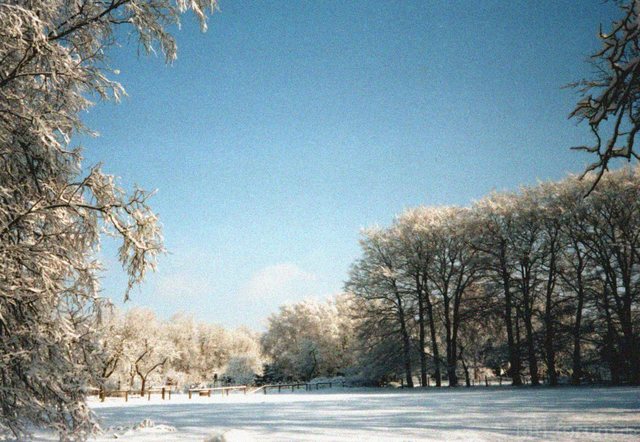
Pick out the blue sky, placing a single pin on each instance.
(288, 126)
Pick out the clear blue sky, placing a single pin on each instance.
(290, 125)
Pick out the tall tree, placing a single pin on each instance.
(615, 244)
(51, 215)
(454, 269)
(375, 278)
(577, 265)
(413, 230)
(494, 226)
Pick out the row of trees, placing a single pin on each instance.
(539, 283)
(535, 284)
(141, 350)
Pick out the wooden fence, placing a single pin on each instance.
(299, 385)
(102, 394)
(165, 392)
(222, 390)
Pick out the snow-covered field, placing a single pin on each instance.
(492, 413)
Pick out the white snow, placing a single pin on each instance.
(496, 414)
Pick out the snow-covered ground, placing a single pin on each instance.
(492, 413)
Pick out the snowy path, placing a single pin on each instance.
(478, 414)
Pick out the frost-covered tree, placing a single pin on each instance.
(376, 279)
(611, 98)
(494, 227)
(244, 361)
(213, 351)
(243, 369)
(306, 340)
(148, 347)
(52, 64)
(114, 344)
(182, 332)
(140, 349)
(413, 232)
(435, 271)
(541, 282)
(451, 273)
(614, 243)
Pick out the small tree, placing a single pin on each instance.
(148, 346)
(243, 369)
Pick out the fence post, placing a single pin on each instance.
(486, 381)
(149, 398)
(169, 393)
(126, 396)
(189, 393)
(265, 389)
(163, 393)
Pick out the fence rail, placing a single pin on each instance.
(165, 392)
(294, 386)
(223, 390)
(102, 394)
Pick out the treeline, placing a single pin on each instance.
(539, 283)
(140, 351)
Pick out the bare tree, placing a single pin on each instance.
(613, 92)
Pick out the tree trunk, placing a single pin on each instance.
(451, 356)
(513, 349)
(549, 335)
(423, 355)
(527, 305)
(611, 338)
(531, 351)
(630, 352)
(407, 356)
(406, 341)
(518, 342)
(576, 376)
(143, 384)
(434, 343)
(548, 341)
(467, 378)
